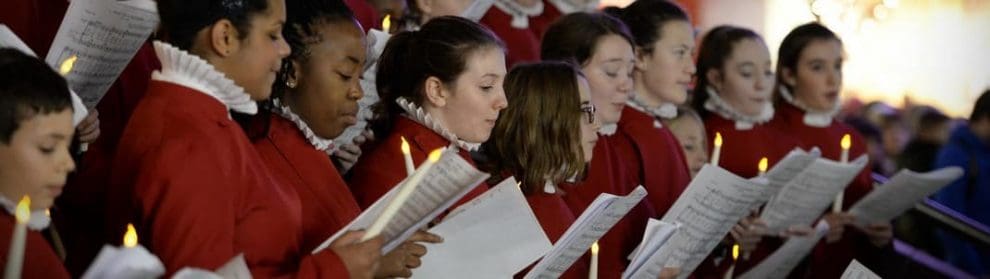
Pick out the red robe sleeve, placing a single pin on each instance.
(40, 261)
(653, 158)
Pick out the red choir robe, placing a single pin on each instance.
(539, 24)
(40, 261)
(383, 166)
(653, 157)
(365, 13)
(187, 177)
(555, 218)
(522, 44)
(741, 153)
(327, 203)
(604, 175)
(829, 260)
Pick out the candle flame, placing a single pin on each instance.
(846, 142)
(594, 248)
(405, 145)
(23, 211)
(435, 155)
(130, 237)
(387, 23)
(67, 64)
(735, 251)
(763, 164)
(718, 139)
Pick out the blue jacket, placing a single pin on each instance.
(969, 195)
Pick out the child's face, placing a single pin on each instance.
(36, 160)
(690, 133)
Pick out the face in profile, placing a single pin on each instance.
(668, 68)
(745, 80)
(609, 75)
(257, 58)
(471, 104)
(36, 161)
(818, 77)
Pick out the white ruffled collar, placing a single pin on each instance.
(182, 68)
(570, 6)
(422, 117)
(320, 143)
(812, 118)
(718, 106)
(608, 129)
(39, 218)
(549, 187)
(520, 15)
(665, 110)
(477, 9)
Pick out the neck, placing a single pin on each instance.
(527, 3)
(644, 94)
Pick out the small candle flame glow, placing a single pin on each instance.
(594, 248)
(404, 146)
(387, 23)
(846, 142)
(23, 211)
(435, 155)
(130, 237)
(763, 165)
(735, 251)
(718, 139)
(67, 65)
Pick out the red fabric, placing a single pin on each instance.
(383, 167)
(555, 218)
(522, 45)
(327, 203)
(199, 194)
(605, 176)
(540, 23)
(35, 22)
(365, 14)
(829, 260)
(40, 261)
(652, 157)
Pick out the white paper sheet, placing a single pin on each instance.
(493, 236)
(900, 194)
(713, 202)
(446, 182)
(104, 35)
(135, 262)
(236, 268)
(596, 220)
(856, 270)
(657, 234)
(779, 264)
(788, 168)
(11, 40)
(804, 199)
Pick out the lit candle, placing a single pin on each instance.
(717, 151)
(66, 67)
(408, 187)
(15, 256)
(845, 143)
(130, 237)
(407, 157)
(735, 255)
(387, 24)
(593, 272)
(763, 166)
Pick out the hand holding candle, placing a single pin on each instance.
(735, 256)
(407, 157)
(717, 151)
(845, 143)
(593, 272)
(15, 256)
(408, 187)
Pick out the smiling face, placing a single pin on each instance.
(36, 161)
(818, 78)
(328, 80)
(745, 80)
(667, 69)
(609, 74)
(470, 105)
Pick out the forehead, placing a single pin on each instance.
(826, 49)
(40, 125)
(676, 32)
(612, 47)
(340, 38)
(484, 61)
(749, 49)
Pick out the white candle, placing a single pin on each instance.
(717, 151)
(407, 157)
(15, 256)
(593, 271)
(400, 198)
(732, 269)
(845, 143)
(762, 167)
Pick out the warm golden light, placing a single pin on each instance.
(23, 211)
(718, 139)
(404, 146)
(387, 23)
(735, 251)
(130, 237)
(846, 142)
(435, 155)
(67, 65)
(594, 248)
(763, 165)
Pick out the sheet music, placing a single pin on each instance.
(900, 194)
(779, 264)
(236, 268)
(713, 202)
(446, 182)
(804, 199)
(11, 40)
(104, 35)
(596, 220)
(788, 168)
(494, 235)
(656, 235)
(856, 270)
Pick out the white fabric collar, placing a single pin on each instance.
(39, 219)
(549, 187)
(476, 10)
(718, 106)
(812, 118)
(182, 68)
(665, 110)
(422, 117)
(571, 6)
(608, 129)
(520, 15)
(320, 143)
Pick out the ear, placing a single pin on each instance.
(223, 38)
(714, 79)
(789, 77)
(436, 94)
(425, 6)
(642, 59)
(294, 76)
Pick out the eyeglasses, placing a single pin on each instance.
(589, 110)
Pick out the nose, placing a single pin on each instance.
(689, 67)
(500, 101)
(626, 87)
(283, 48)
(65, 162)
(356, 92)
